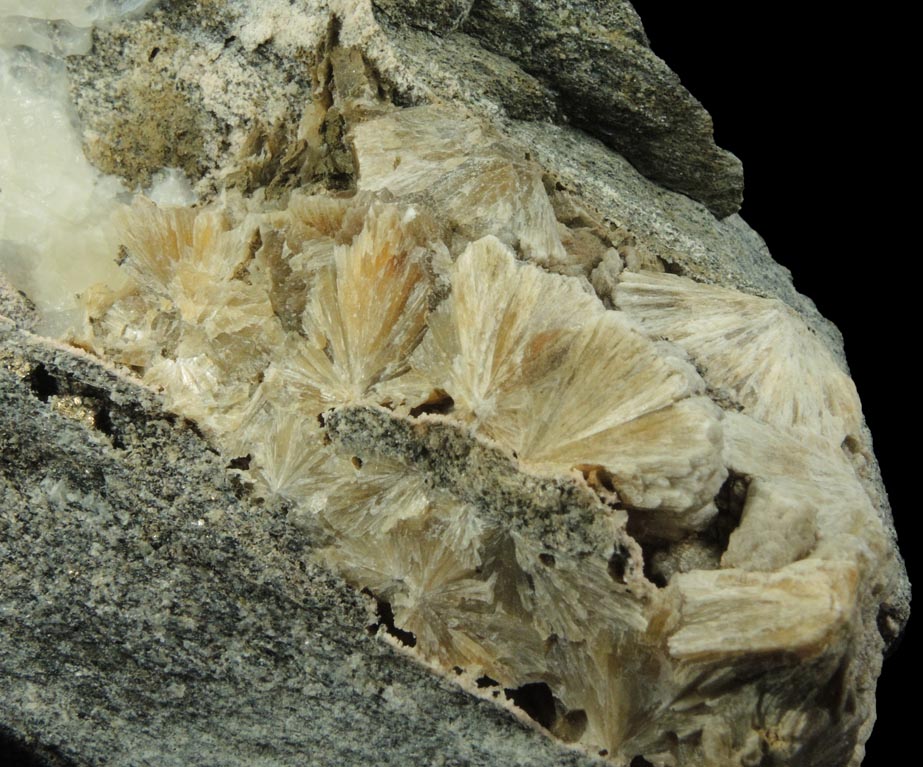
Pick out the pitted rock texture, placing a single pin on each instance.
(152, 615)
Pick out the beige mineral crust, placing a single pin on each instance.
(647, 498)
(430, 408)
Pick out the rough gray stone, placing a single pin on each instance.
(16, 305)
(152, 615)
(594, 56)
(678, 230)
(439, 16)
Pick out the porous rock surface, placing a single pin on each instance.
(755, 578)
(152, 617)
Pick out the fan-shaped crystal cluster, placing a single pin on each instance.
(543, 490)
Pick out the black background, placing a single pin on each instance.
(809, 96)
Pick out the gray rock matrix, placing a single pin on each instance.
(150, 612)
(594, 62)
(150, 616)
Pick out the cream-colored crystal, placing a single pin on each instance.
(756, 350)
(797, 478)
(537, 364)
(465, 171)
(497, 395)
(366, 312)
(728, 614)
(433, 587)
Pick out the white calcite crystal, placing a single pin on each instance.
(644, 493)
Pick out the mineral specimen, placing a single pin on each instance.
(473, 388)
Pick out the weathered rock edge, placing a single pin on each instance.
(596, 70)
(195, 633)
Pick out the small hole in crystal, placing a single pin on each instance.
(439, 403)
(242, 463)
(386, 622)
(537, 701)
(618, 563)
